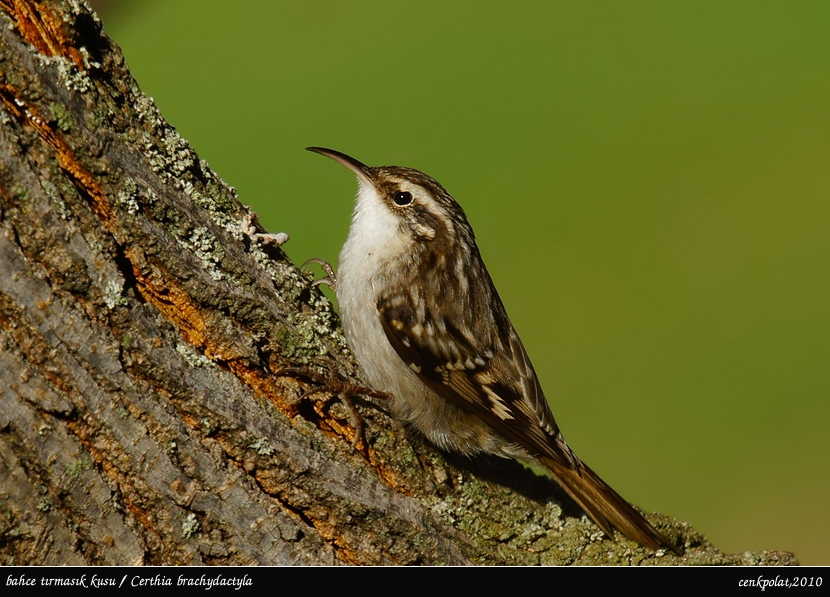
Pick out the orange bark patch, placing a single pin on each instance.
(40, 27)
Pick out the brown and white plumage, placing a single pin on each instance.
(426, 325)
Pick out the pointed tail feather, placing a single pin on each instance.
(605, 506)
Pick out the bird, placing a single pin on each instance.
(426, 325)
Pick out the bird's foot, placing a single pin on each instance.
(330, 279)
(332, 383)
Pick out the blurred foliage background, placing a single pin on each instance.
(650, 187)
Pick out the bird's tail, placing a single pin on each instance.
(608, 508)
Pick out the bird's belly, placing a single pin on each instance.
(443, 423)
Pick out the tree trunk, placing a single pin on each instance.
(144, 417)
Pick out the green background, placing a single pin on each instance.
(650, 187)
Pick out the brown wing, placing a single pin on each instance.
(488, 375)
(495, 380)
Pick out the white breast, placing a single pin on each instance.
(375, 238)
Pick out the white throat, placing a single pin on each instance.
(375, 236)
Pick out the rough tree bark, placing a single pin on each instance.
(143, 415)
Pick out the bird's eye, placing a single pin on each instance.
(403, 198)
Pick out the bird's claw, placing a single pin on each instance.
(343, 389)
(331, 277)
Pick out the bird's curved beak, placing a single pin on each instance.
(363, 172)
